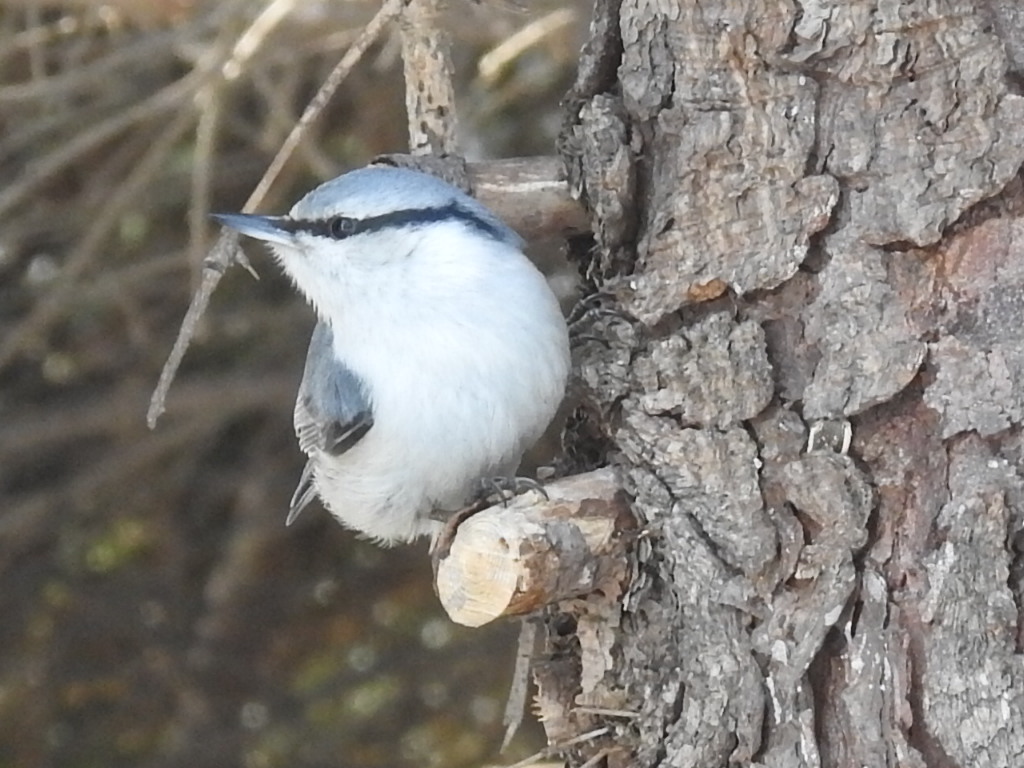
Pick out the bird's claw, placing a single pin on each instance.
(504, 489)
(589, 311)
(493, 490)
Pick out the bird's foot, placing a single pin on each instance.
(503, 489)
(590, 306)
(493, 490)
(588, 312)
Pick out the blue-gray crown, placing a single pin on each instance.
(381, 197)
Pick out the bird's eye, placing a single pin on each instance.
(341, 227)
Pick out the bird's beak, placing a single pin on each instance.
(271, 229)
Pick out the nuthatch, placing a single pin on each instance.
(439, 357)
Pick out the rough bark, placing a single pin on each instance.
(811, 212)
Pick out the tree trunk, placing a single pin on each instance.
(810, 216)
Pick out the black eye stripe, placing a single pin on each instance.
(341, 227)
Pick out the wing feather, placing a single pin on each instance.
(333, 411)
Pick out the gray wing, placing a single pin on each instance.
(332, 411)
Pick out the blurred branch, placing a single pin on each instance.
(250, 41)
(42, 170)
(129, 276)
(553, 750)
(515, 707)
(279, 97)
(493, 63)
(37, 52)
(49, 306)
(226, 396)
(33, 513)
(74, 82)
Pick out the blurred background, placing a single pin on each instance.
(154, 611)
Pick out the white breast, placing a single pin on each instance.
(465, 354)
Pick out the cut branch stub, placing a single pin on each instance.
(508, 561)
(530, 194)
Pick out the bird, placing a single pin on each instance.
(440, 353)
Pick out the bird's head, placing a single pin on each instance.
(377, 233)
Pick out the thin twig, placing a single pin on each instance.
(97, 74)
(209, 100)
(37, 429)
(125, 195)
(627, 714)
(225, 251)
(280, 118)
(36, 53)
(322, 97)
(601, 755)
(516, 704)
(231, 60)
(40, 171)
(555, 749)
(169, 98)
(23, 517)
(39, 35)
(222, 253)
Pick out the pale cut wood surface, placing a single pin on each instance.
(516, 559)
